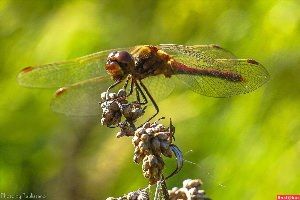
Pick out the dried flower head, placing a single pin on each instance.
(152, 168)
(190, 191)
(114, 106)
(140, 194)
(150, 142)
(126, 129)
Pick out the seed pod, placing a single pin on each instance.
(152, 168)
(146, 125)
(193, 191)
(155, 146)
(180, 194)
(137, 150)
(192, 183)
(110, 118)
(167, 152)
(172, 196)
(146, 163)
(160, 128)
(131, 112)
(201, 192)
(126, 130)
(154, 172)
(147, 174)
(152, 160)
(164, 145)
(145, 138)
(186, 183)
(139, 131)
(113, 106)
(149, 131)
(161, 136)
(136, 113)
(112, 95)
(127, 111)
(135, 140)
(137, 158)
(144, 147)
(103, 96)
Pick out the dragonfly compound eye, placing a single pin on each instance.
(114, 70)
(123, 57)
(119, 64)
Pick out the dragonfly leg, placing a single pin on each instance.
(140, 91)
(151, 98)
(131, 86)
(129, 81)
(112, 86)
(126, 83)
(129, 78)
(137, 92)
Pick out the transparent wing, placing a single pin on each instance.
(159, 86)
(212, 71)
(253, 76)
(81, 99)
(66, 72)
(204, 53)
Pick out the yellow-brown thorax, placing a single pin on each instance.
(142, 62)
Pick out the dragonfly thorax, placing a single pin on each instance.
(142, 62)
(150, 61)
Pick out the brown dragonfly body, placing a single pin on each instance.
(145, 61)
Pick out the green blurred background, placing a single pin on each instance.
(244, 147)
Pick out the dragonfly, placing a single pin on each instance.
(148, 70)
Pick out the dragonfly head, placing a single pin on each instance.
(119, 64)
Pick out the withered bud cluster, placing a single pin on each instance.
(190, 191)
(115, 105)
(150, 142)
(127, 129)
(136, 195)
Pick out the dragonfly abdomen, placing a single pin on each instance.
(179, 68)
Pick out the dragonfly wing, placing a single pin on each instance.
(66, 72)
(214, 71)
(252, 76)
(159, 86)
(204, 52)
(80, 99)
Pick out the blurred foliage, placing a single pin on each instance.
(245, 147)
